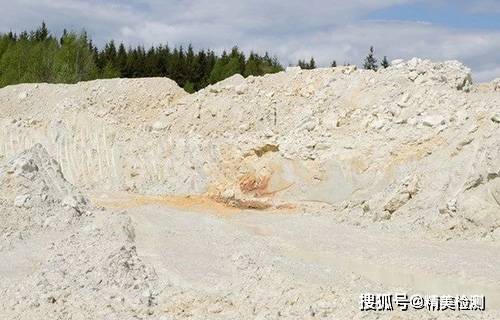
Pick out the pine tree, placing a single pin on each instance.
(370, 61)
(385, 63)
(109, 72)
(65, 33)
(210, 65)
(5, 42)
(189, 87)
(133, 60)
(12, 63)
(307, 65)
(121, 60)
(11, 36)
(253, 66)
(217, 73)
(41, 34)
(152, 63)
(164, 60)
(232, 67)
(74, 61)
(24, 35)
(312, 63)
(240, 58)
(275, 66)
(190, 67)
(178, 66)
(200, 70)
(40, 61)
(109, 54)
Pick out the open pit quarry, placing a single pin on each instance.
(285, 196)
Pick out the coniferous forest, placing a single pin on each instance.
(39, 56)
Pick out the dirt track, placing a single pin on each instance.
(201, 249)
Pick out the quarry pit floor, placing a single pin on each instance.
(196, 242)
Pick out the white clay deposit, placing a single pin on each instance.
(277, 197)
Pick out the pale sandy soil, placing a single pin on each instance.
(218, 254)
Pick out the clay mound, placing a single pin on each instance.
(89, 272)
(393, 146)
(93, 129)
(412, 149)
(63, 256)
(33, 178)
(121, 100)
(35, 196)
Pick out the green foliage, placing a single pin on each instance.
(74, 61)
(26, 59)
(258, 66)
(12, 65)
(229, 65)
(217, 72)
(385, 63)
(253, 67)
(109, 72)
(40, 63)
(38, 56)
(370, 61)
(312, 63)
(189, 87)
(307, 65)
(41, 34)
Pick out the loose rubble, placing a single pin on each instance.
(413, 149)
(63, 258)
(338, 136)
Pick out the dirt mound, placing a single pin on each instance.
(397, 145)
(35, 196)
(98, 131)
(34, 178)
(60, 257)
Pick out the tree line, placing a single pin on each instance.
(39, 56)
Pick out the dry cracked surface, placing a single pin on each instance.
(283, 196)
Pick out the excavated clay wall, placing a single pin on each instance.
(415, 140)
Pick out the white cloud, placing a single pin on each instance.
(293, 29)
(484, 6)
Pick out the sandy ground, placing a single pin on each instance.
(199, 249)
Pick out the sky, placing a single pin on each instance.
(341, 30)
